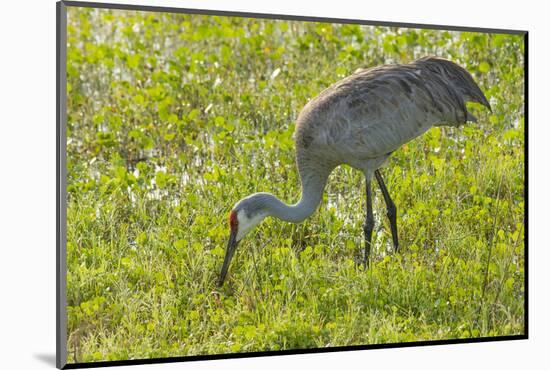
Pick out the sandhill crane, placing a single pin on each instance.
(360, 121)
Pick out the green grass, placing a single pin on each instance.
(174, 118)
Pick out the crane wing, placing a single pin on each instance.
(377, 116)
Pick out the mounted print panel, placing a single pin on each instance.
(239, 185)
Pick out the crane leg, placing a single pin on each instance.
(369, 222)
(390, 206)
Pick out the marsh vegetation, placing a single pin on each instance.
(172, 118)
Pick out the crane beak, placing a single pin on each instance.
(231, 246)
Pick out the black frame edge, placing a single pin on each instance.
(61, 205)
(222, 356)
(526, 181)
(288, 17)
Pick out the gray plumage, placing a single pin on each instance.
(360, 121)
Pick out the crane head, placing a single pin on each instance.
(246, 214)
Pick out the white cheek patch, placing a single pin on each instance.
(246, 224)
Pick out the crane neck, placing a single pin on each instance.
(313, 179)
